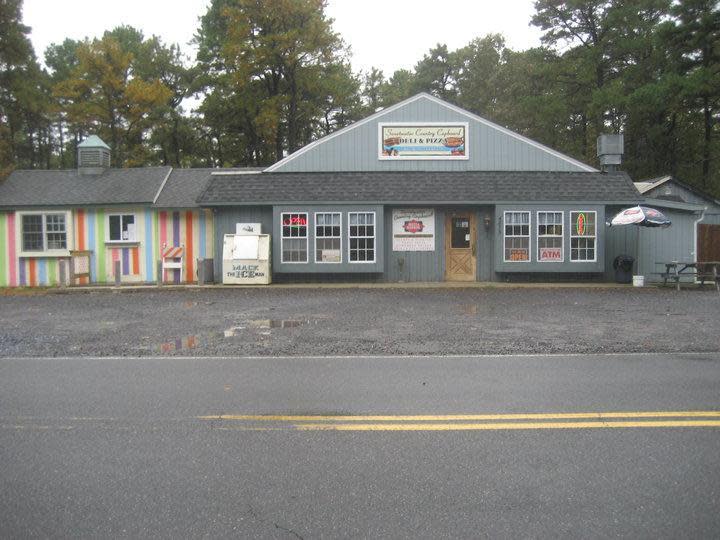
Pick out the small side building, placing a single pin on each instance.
(116, 215)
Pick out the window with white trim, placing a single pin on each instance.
(583, 236)
(121, 228)
(294, 238)
(516, 240)
(328, 242)
(44, 232)
(361, 236)
(550, 237)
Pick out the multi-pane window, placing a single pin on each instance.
(328, 247)
(583, 236)
(517, 236)
(121, 228)
(294, 242)
(361, 235)
(550, 236)
(44, 232)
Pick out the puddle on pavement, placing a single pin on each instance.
(263, 325)
(277, 323)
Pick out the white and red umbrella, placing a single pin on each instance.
(641, 215)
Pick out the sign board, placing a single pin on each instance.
(248, 228)
(550, 254)
(417, 140)
(519, 254)
(413, 229)
(331, 256)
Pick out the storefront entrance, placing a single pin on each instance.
(460, 246)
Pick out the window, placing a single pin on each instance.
(362, 237)
(44, 232)
(517, 236)
(294, 242)
(328, 243)
(550, 237)
(583, 236)
(121, 228)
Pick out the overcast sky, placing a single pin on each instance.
(388, 34)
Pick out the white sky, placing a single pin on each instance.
(388, 34)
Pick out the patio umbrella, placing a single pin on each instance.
(643, 216)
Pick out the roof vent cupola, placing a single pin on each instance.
(93, 156)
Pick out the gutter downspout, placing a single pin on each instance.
(695, 233)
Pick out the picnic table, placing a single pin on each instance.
(701, 271)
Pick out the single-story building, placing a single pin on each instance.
(108, 215)
(425, 191)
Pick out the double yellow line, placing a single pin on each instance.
(467, 422)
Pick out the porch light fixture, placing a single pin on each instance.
(487, 221)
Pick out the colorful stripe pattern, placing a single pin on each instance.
(189, 230)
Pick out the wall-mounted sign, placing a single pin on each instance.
(427, 140)
(413, 229)
(248, 228)
(550, 254)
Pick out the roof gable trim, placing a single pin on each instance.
(162, 185)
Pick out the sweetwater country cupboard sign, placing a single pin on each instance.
(425, 191)
(413, 229)
(423, 141)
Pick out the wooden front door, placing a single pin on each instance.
(708, 243)
(460, 246)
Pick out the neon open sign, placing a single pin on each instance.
(295, 220)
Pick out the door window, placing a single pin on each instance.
(460, 233)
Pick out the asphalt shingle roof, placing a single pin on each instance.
(69, 188)
(418, 187)
(185, 185)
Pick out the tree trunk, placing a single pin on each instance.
(706, 142)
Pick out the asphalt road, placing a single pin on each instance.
(361, 447)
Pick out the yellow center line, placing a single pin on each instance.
(506, 426)
(460, 417)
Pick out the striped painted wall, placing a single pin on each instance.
(192, 229)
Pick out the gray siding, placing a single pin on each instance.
(676, 243)
(225, 220)
(550, 267)
(408, 266)
(712, 214)
(489, 149)
(345, 266)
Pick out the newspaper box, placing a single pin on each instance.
(246, 259)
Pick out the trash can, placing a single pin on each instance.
(623, 268)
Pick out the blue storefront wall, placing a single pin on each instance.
(535, 265)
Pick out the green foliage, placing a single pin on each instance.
(283, 69)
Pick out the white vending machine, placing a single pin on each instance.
(247, 256)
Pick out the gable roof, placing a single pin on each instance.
(278, 166)
(467, 187)
(184, 186)
(25, 188)
(644, 186)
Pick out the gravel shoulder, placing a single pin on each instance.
(320, 321)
